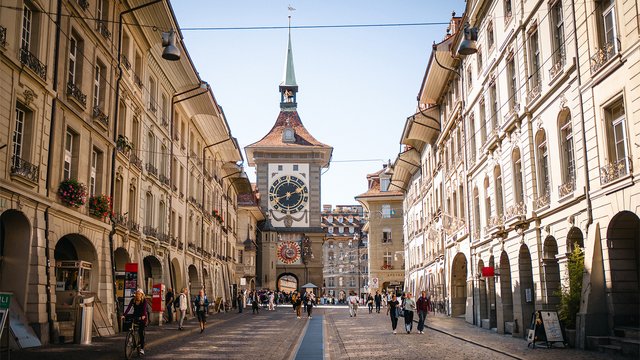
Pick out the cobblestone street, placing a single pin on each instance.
(279, 335)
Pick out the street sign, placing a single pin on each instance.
(5, 300)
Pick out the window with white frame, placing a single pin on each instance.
(491, 39)
(607, 27)
(73, 60)
(508, 9)
(534, 60)
(22, 131)
(476, 210)
(27, 23)
(151, 149)
(99, 85)
(386, 211)
(384, 184)
(152, 95)
(493, 102)
(472, 138)
(557, 28)
(518, 186)
(566, 147)
(386, 236)
(483, 122)
(93, 172)
(543, 163)
(70, 155)
(149, 210)
(162, 222)
(497, 180)
(513, 83)
(617, 142)
(387, 258)
(487, 201)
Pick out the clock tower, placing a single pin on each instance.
(288, 162)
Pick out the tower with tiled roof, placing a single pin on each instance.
(288, 162)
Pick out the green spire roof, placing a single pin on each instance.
(289, 76)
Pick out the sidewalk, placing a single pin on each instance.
(514, 347)
(108, 347)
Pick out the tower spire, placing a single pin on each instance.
(288, 86)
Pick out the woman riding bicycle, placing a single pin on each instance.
(139, 304)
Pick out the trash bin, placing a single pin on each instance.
(84, 321)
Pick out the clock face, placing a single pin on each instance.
(288, 252)
(288, 194)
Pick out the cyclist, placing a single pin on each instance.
(139, 304)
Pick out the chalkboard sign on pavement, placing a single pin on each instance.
(545, 327)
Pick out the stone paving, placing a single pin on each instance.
(278, 335)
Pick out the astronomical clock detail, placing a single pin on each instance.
(289, 252)
(289, 195)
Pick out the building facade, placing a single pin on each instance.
(288, 162)
(113, 160)
(384, 232)
(344, 251)
(532, 131)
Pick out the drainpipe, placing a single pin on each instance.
(52, 129)
(581, 335)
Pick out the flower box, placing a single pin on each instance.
(72, 193)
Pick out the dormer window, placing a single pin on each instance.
(288, 135)
(384, 184)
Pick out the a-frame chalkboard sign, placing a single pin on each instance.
(545, 328)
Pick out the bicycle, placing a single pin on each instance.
(132, 342)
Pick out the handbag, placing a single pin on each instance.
(399, 313)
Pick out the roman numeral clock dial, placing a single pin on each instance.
(288, 194)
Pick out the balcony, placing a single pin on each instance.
(558, 65)
(534, 92)
(163, 237)
(174, 241)
(615, 170)
(150, 231)
(33, 63)
(84, 4)
(180, 245)
(386, 267)
(137, 81)
(24, 169)
(120, 220)
(123, 145)
(151, 169)
(494, 224)
(101, 117)
(125, 62)
(543, 200)
(74, 91)
(133, 226)
(512, 114)
(135, 161)
(567, 188)
(516, 211)
(3, 36)
(102, 29)
(192, 247)
(164, 179)
(604, 54)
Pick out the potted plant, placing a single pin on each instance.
(72, 193)
(100, 206)
(123, 144)
(570, 294)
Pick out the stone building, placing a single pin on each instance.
(288, 162)
(249, 215)
(139, 138)
(384, 232)
(344, 251)
(544, 161)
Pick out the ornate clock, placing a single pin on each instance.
(288, 194)
(288, 252)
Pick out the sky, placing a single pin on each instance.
(357, 86)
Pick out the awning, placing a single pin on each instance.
(406, 164)
(422, 128)
(308, 286)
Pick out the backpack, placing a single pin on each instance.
(176, 302)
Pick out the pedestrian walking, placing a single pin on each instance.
(409, 308)
(168, 304)
(181, 307)
(393, 309)
(255, 303)
(423, 305)
(298, 305)
(352, 300)
(304, 300)
(201, 305)
(311, 301)
(271, 301)
(240, 301)
(377, 299)
(370, 303)
(140, 315)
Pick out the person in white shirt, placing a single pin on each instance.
(182, 308)
(352, 300)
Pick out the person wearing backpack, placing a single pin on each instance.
(181, 307)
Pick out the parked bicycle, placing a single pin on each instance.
(132, 341)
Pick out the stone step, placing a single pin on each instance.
(628, 346)
(610, 349)
(627, 332)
